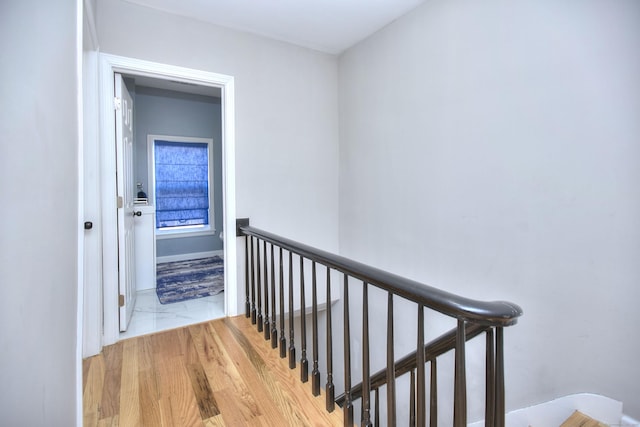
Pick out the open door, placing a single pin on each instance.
(125, 191)
(108, 331)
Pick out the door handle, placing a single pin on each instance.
(137, 213)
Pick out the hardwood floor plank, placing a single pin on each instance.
(86, 364)
(145, 353)
(199, 381)
(92, 394)
(217, 421)
(259, 422)
(148, 384)
(204, 396)
(147, 365)
(166, 345)
(109, 422)
(213, 358)
(130, 391)
(188, 348)
(223, 375)
(166, 415)
(178, 403)
(148, 396)
(232, 409)
(110, 404)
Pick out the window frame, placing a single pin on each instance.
(187, 231)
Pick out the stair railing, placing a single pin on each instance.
(268, 284)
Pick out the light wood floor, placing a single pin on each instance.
(220, 373)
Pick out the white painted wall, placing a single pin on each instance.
(491, 148)
(286, 118)
(39, 220)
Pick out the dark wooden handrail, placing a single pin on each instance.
(473, 318)
(490, 313)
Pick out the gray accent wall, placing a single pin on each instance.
(165, 112)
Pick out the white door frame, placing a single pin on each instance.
(110, 64)
(90, 263)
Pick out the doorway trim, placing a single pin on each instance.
(110, 64)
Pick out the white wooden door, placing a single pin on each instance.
(126, 211)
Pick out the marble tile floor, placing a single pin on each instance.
(150, 316)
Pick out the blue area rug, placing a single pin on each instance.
(184, 280)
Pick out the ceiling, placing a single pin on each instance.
(326, 25)
(176, 86)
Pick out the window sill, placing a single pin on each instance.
(179, 234)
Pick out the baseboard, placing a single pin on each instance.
(555, 412)
(627, 421)
(185, 257)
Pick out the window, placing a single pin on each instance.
(181, 179)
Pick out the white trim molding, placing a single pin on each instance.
(181, 232)
(91, 23)
(110, 64)
(555, 412)
(186, 257)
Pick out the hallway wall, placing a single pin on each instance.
(498, 158)
(39, 219)
(286, 118)
(286, 122)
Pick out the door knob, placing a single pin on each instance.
(88, 225)
(137, 213)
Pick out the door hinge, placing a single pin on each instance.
(117, 103)
(121, 300)
(120, 202)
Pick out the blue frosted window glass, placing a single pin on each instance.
(182, 183)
